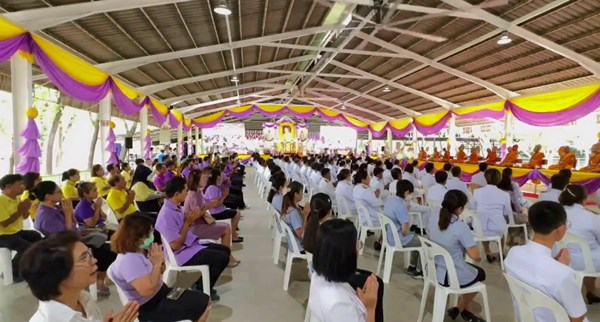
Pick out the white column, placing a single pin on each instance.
(369, 143)
(179, 140)
(508, 128)
(104, 110)
(143, 129)
(22, 99)
(197, 141)
(415, 134)
(389, 142)
(452, 133)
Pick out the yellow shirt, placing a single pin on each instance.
(100, 183)
(8, 207)
(116, 199)
(127, 176)
(142, 192)
(34, 204)
(69, 190)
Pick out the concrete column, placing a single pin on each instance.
(415, 135)
(508, 128)
(143, 130)
(197, 142)
(104, 111)
(452, 133)
(369, 143)
(179, 141)
(22, 99)
(389, 142)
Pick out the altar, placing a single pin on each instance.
(286, 136)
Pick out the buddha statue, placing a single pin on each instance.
(423, 155)
(474, 156)
(537, 158)
(492, 156)
(567, 159)
(511, 158)
(461, 155)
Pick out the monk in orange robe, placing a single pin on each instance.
(567, 159)
(511, 158)
(594, 164)
(423, 155)
(461, 155)
(492, 156)
(537, 158)
(436, 155)
(446, 156)
(474, 157)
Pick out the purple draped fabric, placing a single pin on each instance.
(124, 103)
(379, 133)
(10, 46)
(156, 114)
(210, 124)
(401, 132)
(496, 115)
(30, 151)
(435, 128)
(246, 161)
(173, 122)
(147, 146)
(111, 147)
(556, 118)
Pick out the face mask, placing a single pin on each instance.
(147, 242)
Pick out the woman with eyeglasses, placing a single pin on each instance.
(58, 270)
(585, 224)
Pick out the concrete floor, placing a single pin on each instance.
(253, 291)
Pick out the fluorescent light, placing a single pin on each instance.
(234, 79)
(222, 8)
(504, 39)
(343, 107)
(386, 89)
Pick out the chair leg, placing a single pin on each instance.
(486, 305)
(307, 316)
(288, 272)
(6, 268)
(387, 266)
(424, 295)
(500, 254)
(380, 261)
(276, 248)
(439, 305)
(363, 239)
(206, 281)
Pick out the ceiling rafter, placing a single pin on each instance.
(299, 73)
(317, 104)
(262, 32)
(222, 108)
(194, 107)
(284, 27)
(334, 50)
(350, 105)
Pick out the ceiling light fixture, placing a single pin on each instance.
(386, 89)
(222, 8)
(343, 107)
(235, 79)
(504, 39)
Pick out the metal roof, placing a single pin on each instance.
(185, 54)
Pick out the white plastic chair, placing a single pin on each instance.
(122, 297)
(293, 252)
(479, 237)
(278, 236)
(526, 299)
(172, 266)
(344, 210)
(431, 250)
(588, 261)
(365, 223)
(388, 224)
(6, 265)
(511, 224)
(111, 217)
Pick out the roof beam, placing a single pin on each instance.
(442, 102)
(369, 97)
(498, 90)
(317, 104)
(334, 50)
(222, 108)
(300, 73)
(356, 107)
(42, 18)
(586, 62)
(127, 64)
(162, 86)
(228, 99)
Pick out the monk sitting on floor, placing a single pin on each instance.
(461, 156)
(567, 159)
(474, 157)
(511, 158)
(594, 164)
(437, 156)
(492, 156)
(446, 156)
(423, 155)
(537, 158)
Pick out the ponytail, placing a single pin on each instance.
(453, 200)
(68, 174)
(288, 199)
(320, 207)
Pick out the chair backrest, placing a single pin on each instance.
(170, 255)
(469, 214)
(111, 217)
(343, 206)
(527, 298)
(388, 225)
(431, 250)
(588, 261)
(122, 297)
(363, 214)
(291, 237)
(278, 222)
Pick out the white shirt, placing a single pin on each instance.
(393, 185)
(376, 184)
(550, 195)
(584, 224)
(325, 186)
(410, 177)
(427, 180)
(479, 179)
(370, 169)
(492, 205)
(533, 264)
(387, 177)
(334, 302)
(315, 178)
(366, 196)
(457, 184)
(53, 311)
(436, 193)
(346, 189)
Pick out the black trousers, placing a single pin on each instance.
(359, 279)
(189, 306)
(104, 256)
(216, 256)
(19, 242)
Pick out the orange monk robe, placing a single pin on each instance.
(436, 156)
(423, 156)
(537, 160)
(474, 157)
(510, 159)
(492, 157)
(568, 161)
(593, 165)
(461, 156)
(446, 156)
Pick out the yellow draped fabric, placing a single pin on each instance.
(431, 119)
(9, 30)
(178, 115)
(128, 91)
(400, 124)
(209, 118)
(356, 122)
(270, 108)
(187, 122)
(496, 106)
(160, 107)
(300, 108)
(241, 109)
(556, 101)
(378, 127)
(329, 113)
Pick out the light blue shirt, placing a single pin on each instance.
(277, 202)
(395, 209)
(455, 239)
(294, 220)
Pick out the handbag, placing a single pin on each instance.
(208, 218)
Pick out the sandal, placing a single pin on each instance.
(234, 263)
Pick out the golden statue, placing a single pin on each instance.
(423, 155)
(492, 156)
(537, 158)
(436, 156)
(511, 158)
(461, 156)
(594, 164)
(567, 159)
(474, 157)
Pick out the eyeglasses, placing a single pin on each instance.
(87, 257)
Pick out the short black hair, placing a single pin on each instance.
(43, 189)
(456, 171)
(377, 171)
(441, 177)
(403, 186)
(47, 263)
(139, 161)
(111, 166)
(335, 256)
(559, 182)
(10, 179)
(492, 176)
(567, 173)
(415, 163)
(429, 167)
(447, 166)
(573, 194)
(325, 171)
(360, 176)
(546, 216)
(409, 168)
(483, 166)
(396, 174)
(174, 185)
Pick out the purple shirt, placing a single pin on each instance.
(160, 181)
(168, 175)
(186, 172)
(169, 223)
(85, 210)
(206, 164)
(49, 220)
(193, 200)
(214, 192)
(127, 268)
(227, 169)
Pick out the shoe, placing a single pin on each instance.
(234, 263)
(453, 313)
(491, 259)
(377, 245)
(238, 240)
(592, 298)
(214, 297)
(414, 272)
(470, 317)
(414, 228)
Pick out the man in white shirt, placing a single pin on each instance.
(455, 183)
(377, 183)
(427, 178)
(533, 264)
(325, 186)
(438, 190)
(387, 173)
(416, 172)
(409, 175)
(315, 177)
(478, 179)
(559, 182)
(447, 168)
